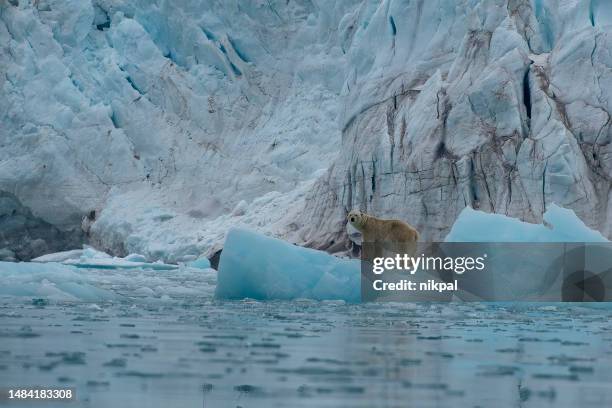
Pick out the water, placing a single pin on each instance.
(170, 344)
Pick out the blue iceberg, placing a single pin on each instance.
(541, 270)
(264, 268)
(560, 225)
(200, 263)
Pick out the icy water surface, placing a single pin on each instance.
(165, 342)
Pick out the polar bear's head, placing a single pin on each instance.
(356, 218)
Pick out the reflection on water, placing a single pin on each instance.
(194, 351)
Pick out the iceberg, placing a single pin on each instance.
(256, 266)
(539, 272)
(560, 225)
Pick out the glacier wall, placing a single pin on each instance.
(503, 106)
(155, 126)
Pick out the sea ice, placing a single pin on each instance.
(89, 257)
(68, 283)
(50, 281)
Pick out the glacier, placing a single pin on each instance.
(153, 127)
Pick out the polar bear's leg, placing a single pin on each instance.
(368, 251)
(379, 250)
(371, 250)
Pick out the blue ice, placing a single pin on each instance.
(200, 263)
(260, 267)
(560, 225)
(49, 281)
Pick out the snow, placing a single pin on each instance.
(256, 266)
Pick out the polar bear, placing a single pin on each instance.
(379, 235)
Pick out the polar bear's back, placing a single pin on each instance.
(377, 229)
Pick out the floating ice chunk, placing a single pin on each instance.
(60, 256)
(135, 258)
(92, 258)
(50, 281)
(560, 225)
(118, 263)
(260, 267)
(73, 256)
(526, 272)
(57, 282)
(92, 253)
(201, 263)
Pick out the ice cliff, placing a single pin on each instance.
(155, 126)
(498, 105)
